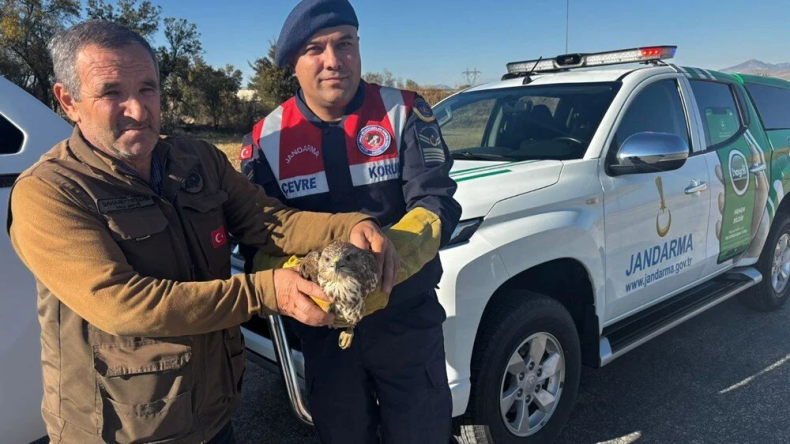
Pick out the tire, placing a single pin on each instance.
(518, 317)
(764, 296)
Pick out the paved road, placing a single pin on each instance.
(720, 378)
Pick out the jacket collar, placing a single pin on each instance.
(176, 163)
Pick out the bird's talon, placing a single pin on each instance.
(345, 338)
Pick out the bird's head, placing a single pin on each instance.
(344, 259)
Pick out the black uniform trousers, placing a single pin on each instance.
(393, 376)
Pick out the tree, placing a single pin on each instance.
(389, 80)
(13, 70)
(411, 85)
(215, 89)
(384, 79)
(272, 84)
(143, 19)
(183, 46)
(26, 26)
(373, 77)
(175, 61)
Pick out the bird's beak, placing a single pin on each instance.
(337, 263)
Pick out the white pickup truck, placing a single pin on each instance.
(601, 208)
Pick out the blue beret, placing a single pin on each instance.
(307, 18)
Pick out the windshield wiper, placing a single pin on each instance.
(466, 155)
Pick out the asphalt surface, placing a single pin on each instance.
(721, 377)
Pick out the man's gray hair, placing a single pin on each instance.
(65, 46)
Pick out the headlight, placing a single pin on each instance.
(464, 231)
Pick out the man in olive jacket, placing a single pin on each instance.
(126, 233)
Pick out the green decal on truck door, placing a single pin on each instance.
(737, 204)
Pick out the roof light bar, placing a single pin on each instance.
(571, 61)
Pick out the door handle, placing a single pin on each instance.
(757, 168)
(696, 187)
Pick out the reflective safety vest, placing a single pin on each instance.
(293, 147)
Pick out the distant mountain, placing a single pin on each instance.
(781, 70)
(757, 65)
(440, 87)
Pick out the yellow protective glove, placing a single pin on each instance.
(416, 238)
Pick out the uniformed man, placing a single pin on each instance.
(126, 234)
(346, 145)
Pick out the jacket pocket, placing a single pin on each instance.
(207, 220)
(138, 224)
(142, 235)
(166, 420)
(143, 389)
(139, 357)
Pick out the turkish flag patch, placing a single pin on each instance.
(246, 152)
(218, 237)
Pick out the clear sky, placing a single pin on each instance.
(433, 41)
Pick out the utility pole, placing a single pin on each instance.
(471, 76)
(567, 17)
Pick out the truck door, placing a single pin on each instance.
(656, 223)
(737, 163)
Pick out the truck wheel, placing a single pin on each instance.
(774, 265)
(525, 373)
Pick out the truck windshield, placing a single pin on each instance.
(523, 123)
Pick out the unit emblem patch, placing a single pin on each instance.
(373, 140)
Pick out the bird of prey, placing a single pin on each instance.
(347, 274)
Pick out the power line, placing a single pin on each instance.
(471, 76)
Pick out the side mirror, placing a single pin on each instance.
(650, 152)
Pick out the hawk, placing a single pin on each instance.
(347, 274)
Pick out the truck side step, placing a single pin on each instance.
(624, 336)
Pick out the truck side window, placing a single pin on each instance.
(11, 137)
(657, 108)
(721, 119)
(467, 125)
(773, 105)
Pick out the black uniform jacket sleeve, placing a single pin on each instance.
(426, 163)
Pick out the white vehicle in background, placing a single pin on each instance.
(601, 208)
(27, 130)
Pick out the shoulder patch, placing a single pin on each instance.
(430, 142)
(246, 147)
(423, 110)
(245, 153)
